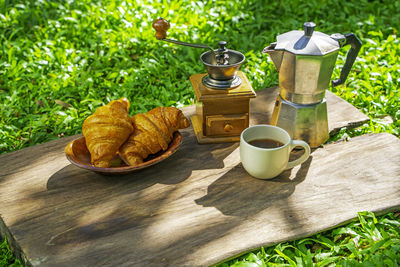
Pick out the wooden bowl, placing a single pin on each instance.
(78, 154)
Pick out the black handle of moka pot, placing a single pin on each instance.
(347, 39)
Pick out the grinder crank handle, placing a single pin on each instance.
(161, 26)
(347, 39)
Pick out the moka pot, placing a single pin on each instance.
(305, 61)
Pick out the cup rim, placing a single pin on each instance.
(266, 126)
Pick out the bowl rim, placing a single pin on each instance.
(172, 148)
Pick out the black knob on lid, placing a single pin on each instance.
(309, 28)
(221, 46)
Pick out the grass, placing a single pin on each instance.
(61, 59)
(369, 241)
(6, 256)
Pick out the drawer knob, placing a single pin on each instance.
(228, 127)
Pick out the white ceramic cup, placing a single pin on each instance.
(267, 163)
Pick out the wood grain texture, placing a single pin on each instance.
(196, 208)
(202, 139)
(203, 93)
(233, 103)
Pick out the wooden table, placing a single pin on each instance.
(196, 208)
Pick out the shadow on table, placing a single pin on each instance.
(127, 201)
(176, 169)
(238, 194)
(105, 206)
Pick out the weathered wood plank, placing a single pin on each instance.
(196, 208)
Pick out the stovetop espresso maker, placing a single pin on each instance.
(305, 61)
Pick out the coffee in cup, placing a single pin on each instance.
(265, 151)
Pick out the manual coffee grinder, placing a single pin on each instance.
(222, 94)
(305, 61)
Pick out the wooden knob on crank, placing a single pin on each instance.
(161, 26)
(228, 127)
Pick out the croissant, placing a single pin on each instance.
(106, 130)
(153, 132)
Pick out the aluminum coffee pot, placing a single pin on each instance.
(305, 61)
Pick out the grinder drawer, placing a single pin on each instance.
(226, 125)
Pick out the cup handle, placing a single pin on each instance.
(304, 157)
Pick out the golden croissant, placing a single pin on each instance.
(153, 132)
(106, 130)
